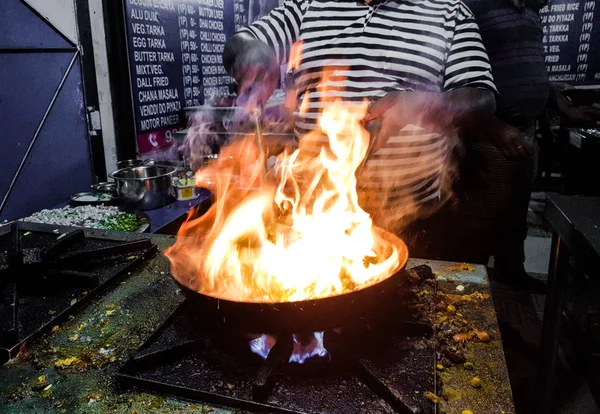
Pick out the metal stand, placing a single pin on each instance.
(265, 378)
(557, 277)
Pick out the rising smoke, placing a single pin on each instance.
(408, 178)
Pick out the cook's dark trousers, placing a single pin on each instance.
(490, 215)
(425, 237)
(487, 215)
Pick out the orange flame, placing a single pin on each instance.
(296, 234)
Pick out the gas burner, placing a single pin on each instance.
(46, 276)
(303, 346)
(378, 364)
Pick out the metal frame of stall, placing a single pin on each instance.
(83, 52)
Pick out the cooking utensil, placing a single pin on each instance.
(145, 187)
(307, 315)
(93, 198)
(256, 114)
(270, 139)
(209, 114)
(273, 111)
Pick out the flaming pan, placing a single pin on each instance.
(308, 315)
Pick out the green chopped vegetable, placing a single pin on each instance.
(593, 132)
(123, 222)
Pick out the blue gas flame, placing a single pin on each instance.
(314, 347)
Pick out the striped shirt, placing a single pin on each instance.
(367, 51)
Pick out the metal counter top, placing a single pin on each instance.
(577, 220)
(167, 219)
(72, 369)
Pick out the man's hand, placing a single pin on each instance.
(254, 68)
(394, 111)
(507, 139)
(463, 109)
(577, 116)
(582, 116)
(468, 110)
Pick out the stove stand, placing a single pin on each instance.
(376, 366)
(46, 276)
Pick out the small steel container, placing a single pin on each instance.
(105, 187)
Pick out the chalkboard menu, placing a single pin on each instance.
(175, 52)
(572, 41)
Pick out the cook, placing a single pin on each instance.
(496, 183)
(493, 198)
(422, 66)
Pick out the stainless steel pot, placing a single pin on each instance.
(179, 164)
(129, 163)
(145, 187)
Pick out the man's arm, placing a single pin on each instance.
(253, 55)
(467, 67)
(474, 113)
(239, 44)
(469, 96)
(464, 110)
(467, 110)
(467, 103)
(253, 65)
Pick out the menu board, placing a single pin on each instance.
(572, 41)
(175, 50)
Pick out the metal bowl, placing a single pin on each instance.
(93, 198)
(105, 187)
(146, 187)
